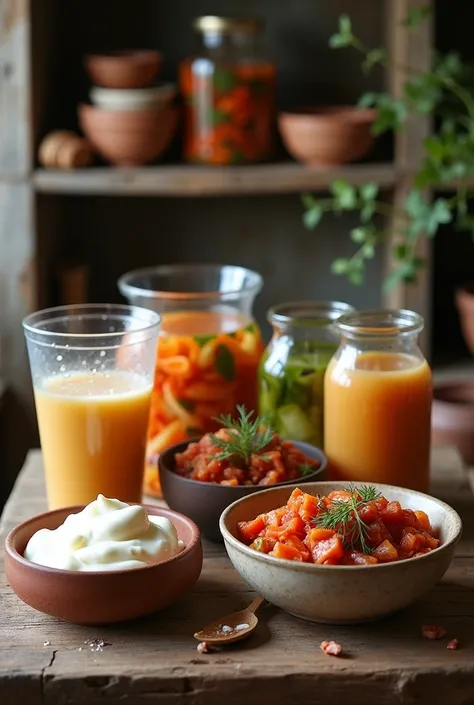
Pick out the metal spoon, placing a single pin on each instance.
(232, 627)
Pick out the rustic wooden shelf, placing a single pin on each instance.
(185, 180)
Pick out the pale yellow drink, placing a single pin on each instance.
(93, 433)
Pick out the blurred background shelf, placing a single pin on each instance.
(185, 180)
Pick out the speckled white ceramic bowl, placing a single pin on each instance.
(340, 594)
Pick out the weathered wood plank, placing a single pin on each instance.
(286, 177)
(15, 122)
(154, 660)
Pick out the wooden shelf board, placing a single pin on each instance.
(185, 180)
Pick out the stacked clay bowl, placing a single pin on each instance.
(130, 122)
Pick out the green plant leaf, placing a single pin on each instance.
(345, 25)
(203, 339)
(308, 200)
(224, 362)
(368, 250)
(340, 266)
(367, 100)
(373, 58)
(369, 191)
(417, 15)
(225, 80)
(345, 195)
(356, 276)
(312, 217)
(338, 41)
(359, 235)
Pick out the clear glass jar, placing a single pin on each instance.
(377, 401)
(229, 92)
(209, 349)
(291, 376)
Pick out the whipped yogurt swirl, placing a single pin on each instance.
(106, 535)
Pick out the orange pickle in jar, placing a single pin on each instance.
(377, 408)
(207, 364)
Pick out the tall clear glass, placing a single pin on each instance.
(208, 352)
(293, 366)
(377, 401)
(92, 368)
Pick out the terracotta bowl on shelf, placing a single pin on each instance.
(452, 418)
(101, 597)
(465, 306)
(327, 135)
(340, 594)
(130, 68)
(204, 502)
(129, 138)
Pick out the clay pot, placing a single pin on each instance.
(123, 69)
(65, 149)
(465, 305)
(452, 418)
(327, 135)
(129, 138)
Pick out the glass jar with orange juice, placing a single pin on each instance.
(209, 349)
(229, 92)
(377, 401)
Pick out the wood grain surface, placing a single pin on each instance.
(154, 660)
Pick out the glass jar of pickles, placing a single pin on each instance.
(209, 349)
(291, 376)
(229, 92)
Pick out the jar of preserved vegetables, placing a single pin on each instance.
(291, 375)
(229, 92)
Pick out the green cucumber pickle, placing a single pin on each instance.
(291, 387)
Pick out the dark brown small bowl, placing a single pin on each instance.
(204, 502)
(452, 416)
(101, 597)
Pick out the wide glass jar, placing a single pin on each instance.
(291, 376)
(377, 401)
(229, 93)
(209, 349)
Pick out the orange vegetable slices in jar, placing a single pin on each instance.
(229, 113)
(347, 527)
(206, 365)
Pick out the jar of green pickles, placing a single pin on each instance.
(291, 375)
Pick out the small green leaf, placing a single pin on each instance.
(356, 276)
(201, 340)
(440, 213)
(369, 191)
(338, 41)
(345, 25)
(368, 250)
(224, 362)
(368, 100)
(400, 251)
(306, 469)
(340, 266)
(359, 235)
(308, 200)
(344, 194)
(186, 404)
(225, 80)
(250, 328)
(367, 212)
(417, 15)
(312, 217)
(373, 58)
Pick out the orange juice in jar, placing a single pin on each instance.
(377, 401)
(209, 350)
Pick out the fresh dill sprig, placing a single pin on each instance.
(246, 437)
(343, 517)
(306, 469)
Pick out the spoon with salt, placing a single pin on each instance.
(232, 627)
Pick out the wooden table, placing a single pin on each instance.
(154, 661)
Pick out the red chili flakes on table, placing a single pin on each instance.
(432, 632)
(331, 648)
(453, 644)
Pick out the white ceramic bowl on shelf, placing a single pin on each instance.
(129, 99)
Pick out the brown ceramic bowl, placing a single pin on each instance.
(101, 597)
(465, 306)
(204, 502)
(327, 135)
(129, 138)
(452, 417)
(124, 69)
